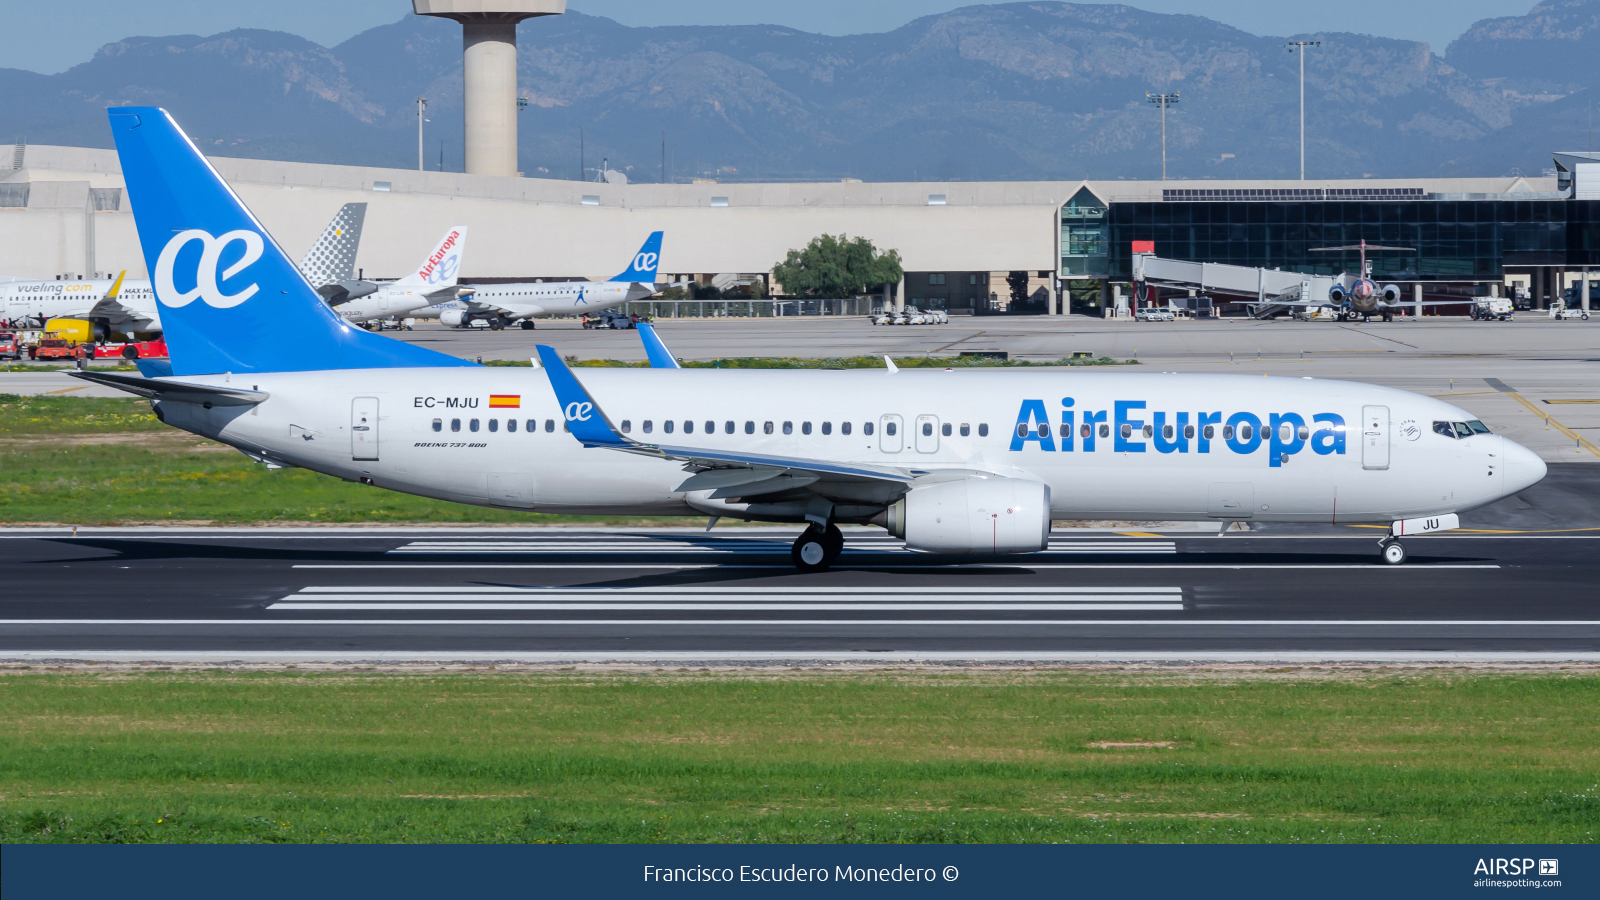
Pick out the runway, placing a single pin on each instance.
(564, 594)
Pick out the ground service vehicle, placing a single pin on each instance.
(956, 462)
(1488, 308)
(10, 345)
(57, 348)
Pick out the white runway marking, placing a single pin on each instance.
(732, 599)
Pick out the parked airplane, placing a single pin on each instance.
(123, 306)
(952, 461)
(502, 304)
(434, 280)
(1360, 296)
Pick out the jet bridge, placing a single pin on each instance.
(1268, 285)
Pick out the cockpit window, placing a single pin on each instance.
(1462, 430)
(1445, 429)
(1478, 427)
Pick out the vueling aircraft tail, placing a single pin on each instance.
(643, 269)
(256, 312)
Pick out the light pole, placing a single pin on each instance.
(1302, 45)
(1163, 101)
(422, 107)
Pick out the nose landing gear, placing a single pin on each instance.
(817, 548)
(1392, 551)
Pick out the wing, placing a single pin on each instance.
(593, 428)
(111, 306)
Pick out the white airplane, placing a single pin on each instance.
(434, 280)
(122, 306)
(955, 462)
(502, 304)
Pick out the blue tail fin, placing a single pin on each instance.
(643, 269)
(655, 349)
(256, 311)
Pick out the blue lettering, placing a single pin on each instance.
(1179, 443)
(1066, 425)
(1281, 448)
(1330, 439)
(1206, 421)
(1121, 444)
(1032, 411)
(1240, 422)
(1090, 419)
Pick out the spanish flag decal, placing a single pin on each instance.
(505, 401)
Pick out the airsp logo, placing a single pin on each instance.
(205, 275)
(579, 412)
(1410, 430)
(645, 262)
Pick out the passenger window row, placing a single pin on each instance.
(648, 426)
(494, 425)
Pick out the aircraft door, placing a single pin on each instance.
(1230, 501)
(1374, 437)
(927, 434)
(364, 428)
(890, 438)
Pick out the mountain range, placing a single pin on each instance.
(1037, 90)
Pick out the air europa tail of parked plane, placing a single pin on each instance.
(957, 462)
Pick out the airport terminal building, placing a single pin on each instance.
(967, 247)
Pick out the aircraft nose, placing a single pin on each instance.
(1523, 468)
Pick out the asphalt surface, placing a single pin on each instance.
(594, 595)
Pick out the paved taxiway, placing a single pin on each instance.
(586, 594)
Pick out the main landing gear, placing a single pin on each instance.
(1392, 551)
(816, 548)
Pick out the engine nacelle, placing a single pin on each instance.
(1392, 293)
(974, 515)
(80, 331)
(1336, 294)
(454, 318)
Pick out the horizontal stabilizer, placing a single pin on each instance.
(204, 394)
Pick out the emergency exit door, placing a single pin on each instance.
(364, 428)
(890, 439)
(1374, 437)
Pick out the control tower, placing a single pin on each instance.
(489, 70)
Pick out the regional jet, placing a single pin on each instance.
(954, 462)
(499, 305)
(434, 280)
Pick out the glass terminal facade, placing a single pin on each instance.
(1448, 240)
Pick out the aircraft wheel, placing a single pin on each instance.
(833, 541)
(1393, 553)
(527, 324)
(810, 551)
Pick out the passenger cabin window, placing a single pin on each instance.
(549, 425)
(945, 429)
(649, 426)
(866, 428)
(455, 424)
(728, 427)
(788, 428)
(766, 427)
(533, 425)
(983, 430)
(1210, 432)
(888, 428)
(965, 429)
(511, 424)
(1227, 432)
(688, 426)
(927, 429)
(827, 428)
(711, 427)
(438, 425)
(627, 426)
(1188, 432)
(1022, 429)
(472, 425)
(665, 426)
(1085, 430)
(749, 427)
(805, 427)
(844, 427)
(494, 424)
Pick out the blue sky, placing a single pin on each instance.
(56, 35)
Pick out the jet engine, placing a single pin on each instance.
(1336, 294)
(455, 318)
(974, 515)
(1392, 293)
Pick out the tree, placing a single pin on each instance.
(831, 268)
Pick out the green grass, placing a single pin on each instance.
(22, 416)
(840, 362)
(1012, 757)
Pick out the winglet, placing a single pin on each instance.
(660, 357)
(116, 286)
(585, 419)
(890, 363)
